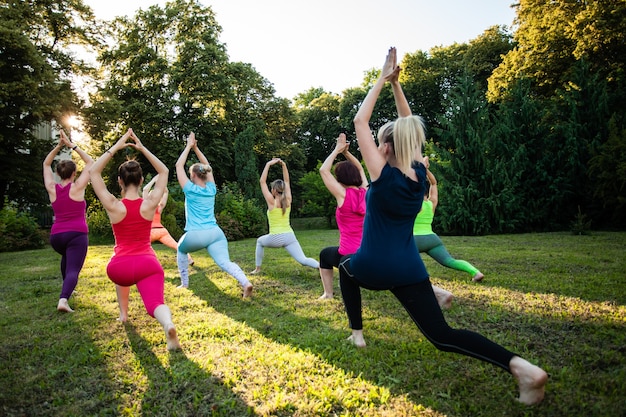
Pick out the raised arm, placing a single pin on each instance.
(203, 160)
(115, 209)
(433, 191)
(267, 194)
(48, 175)
(402, 104)
(83, 180)
(336, 189)
(374, 160)
(181, 172)
(153, 198)
(354, 161)
(287, 191)
(148, 187)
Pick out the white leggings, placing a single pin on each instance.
(283, 240)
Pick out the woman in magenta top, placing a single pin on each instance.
(69, 235)
(134, 262)
(348, 188)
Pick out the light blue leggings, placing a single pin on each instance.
(283, 240)
(216, 244)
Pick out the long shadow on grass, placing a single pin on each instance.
(401, 360)
(52, 367)
(184, 388)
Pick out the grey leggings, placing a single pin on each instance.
(283, 240)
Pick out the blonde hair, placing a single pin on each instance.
(201, 170)
(279, 187)
(406, 136)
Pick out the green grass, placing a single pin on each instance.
(556, 299)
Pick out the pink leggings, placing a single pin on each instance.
(145, 271)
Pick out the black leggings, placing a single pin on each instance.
(420, 302)
(330, 257)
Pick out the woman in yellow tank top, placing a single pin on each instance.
(280, 235)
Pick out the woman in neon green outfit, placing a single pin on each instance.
(428, 241)
(281, 234)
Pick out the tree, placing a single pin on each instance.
(35, 87)
(252, 104)
(165, 76)
(168, 74)
(608, 167)
(428, 77)
(246, 164)
(319, 126)
(317, 200)
(478, 173)
(552, 36)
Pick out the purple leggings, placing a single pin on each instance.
(72, 246)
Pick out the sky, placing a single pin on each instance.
(299, 44)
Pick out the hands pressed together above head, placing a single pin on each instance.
(123, 142)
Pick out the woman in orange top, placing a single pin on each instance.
(158, 232)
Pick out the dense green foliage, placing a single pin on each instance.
(238, 216)
(19, 230)
(526, 129)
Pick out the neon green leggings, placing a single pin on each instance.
(433, 246)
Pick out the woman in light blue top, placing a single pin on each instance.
(281, 234)
(201, 229)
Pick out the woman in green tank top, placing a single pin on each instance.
(428, 241)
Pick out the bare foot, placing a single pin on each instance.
(172, 338)
(247, 290)
(326, 297)
(63, 306)
(444, 298)
(357, 340)
(256, 271)
(478, 277)
(123, 318)
(531, 380)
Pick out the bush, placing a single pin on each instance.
(580, 225)
(19, 231)
(98, 222)
(239, 217)
(173, 217)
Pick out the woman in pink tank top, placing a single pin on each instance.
(349, 190)
(134, 261)
(69, 235)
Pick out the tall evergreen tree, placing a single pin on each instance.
(246, 164)
(479, 175)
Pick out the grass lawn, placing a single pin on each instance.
(556, 299)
